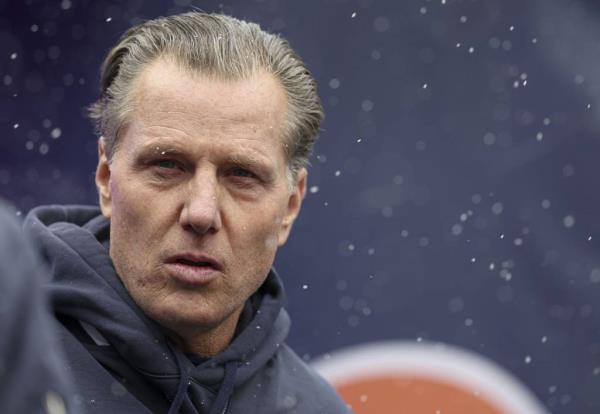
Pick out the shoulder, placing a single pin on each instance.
(305, 391)
(33, 373)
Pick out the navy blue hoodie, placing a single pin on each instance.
(123, 362)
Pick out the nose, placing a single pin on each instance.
(201, 212)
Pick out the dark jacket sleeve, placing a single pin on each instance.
(31, 376)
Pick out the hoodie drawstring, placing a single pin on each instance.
(183, 382)
(225, 392)
(221, 402)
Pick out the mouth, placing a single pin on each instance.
(195, 263)
(193, 269)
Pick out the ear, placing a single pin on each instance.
(293, 206)
(103, 180)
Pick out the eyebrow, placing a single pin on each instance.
(156, 149)
(248, 158)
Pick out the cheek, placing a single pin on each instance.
(271, 241)
(131, 230)
(118, 194)
(260, 238)
(269, 229)
(130, 209)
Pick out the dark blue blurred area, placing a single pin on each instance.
(453, 192)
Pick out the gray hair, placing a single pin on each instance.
(217, 45)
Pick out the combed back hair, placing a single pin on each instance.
(213, 45)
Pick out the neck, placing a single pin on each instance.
(210, 342)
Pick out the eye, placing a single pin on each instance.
(241, 172)
(166, 168)
(166, 164)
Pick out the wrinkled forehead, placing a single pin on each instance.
(167, 88)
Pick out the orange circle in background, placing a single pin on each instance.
(416, 395)
(401, 377)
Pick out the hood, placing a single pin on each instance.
(85, 286)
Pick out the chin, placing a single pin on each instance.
(177, 319)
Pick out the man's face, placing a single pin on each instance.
(198, 194)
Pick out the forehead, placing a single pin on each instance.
(166, 95)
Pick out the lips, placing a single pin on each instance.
(194, 259)
(193, 269)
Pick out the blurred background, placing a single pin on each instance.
(453, 191)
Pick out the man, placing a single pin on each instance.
(166, 296)
(32, 378)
